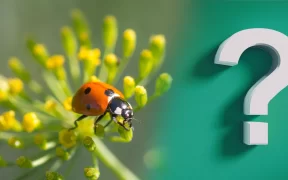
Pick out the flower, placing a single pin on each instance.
(44, 120)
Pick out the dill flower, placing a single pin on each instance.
(43, 121)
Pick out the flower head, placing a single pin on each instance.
(45, 119)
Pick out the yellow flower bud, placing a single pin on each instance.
(30, 122)
(127, 135)
(53, 176)
(92, 173)
(3, 95)
(68, 41)
(89, 143)
(145, 63)
(60, 152)
(7, 120)
(16, 85)
(128, 86)
(55, 62)
(18, 69)
(83, 53)
(163, 83)
(15, 142)
(157, 47)
(81, 28)
(24, 162)
(39, 49)
(141, 96)
(111, 61)
(92, 55)
(50, 105)
(67, 138)
(4, 88)
(129, 42)
(68, 104)
(40, 141)
(59, 60)
(94, 79)
(110, 31)
(40, 53)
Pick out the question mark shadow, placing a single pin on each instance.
(205, 67)
(259, 62)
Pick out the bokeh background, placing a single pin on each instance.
(43, 20)
(197, 126)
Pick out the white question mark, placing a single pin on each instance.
(258, 97)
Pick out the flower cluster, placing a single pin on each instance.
(39, 115)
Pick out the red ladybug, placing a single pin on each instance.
(97, 99)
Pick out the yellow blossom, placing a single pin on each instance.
(94, 79)
(16, 85)
(50, 105)
(8, 121)
(30, 122)
(39, 49)
(92, 55)
(128, 86)
(67, 138)
(68, 104)
(55, 62)
(129, 42)
(141, 96)
(15, 142)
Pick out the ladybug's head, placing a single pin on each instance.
(120, 107)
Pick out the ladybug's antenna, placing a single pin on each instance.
(137, 120)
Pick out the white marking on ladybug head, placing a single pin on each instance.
(111, 97)
(118, 111)
(130, 105)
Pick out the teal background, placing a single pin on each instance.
(202, 115)
(197, 125)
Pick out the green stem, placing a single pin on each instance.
(95, 161)
(54, 86)
(65, 87)
(72, 161)
(121, 69)
(103, 72)
(42, 160)
(111, 161)
(74, 70)
(145, 81)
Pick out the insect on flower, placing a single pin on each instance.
(91, 91)
(97, 99)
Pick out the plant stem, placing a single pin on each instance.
(102, 71)
(111, 161)
(74, 70)
(120, 70)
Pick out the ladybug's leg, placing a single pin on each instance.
(108, 123)
(75, 122)
(97, 120)
(121, 124)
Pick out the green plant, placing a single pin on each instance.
(46, 116)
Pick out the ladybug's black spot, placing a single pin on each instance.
(87, 90)
(88, 107)
(109, 92)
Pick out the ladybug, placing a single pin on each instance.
(98, 99)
